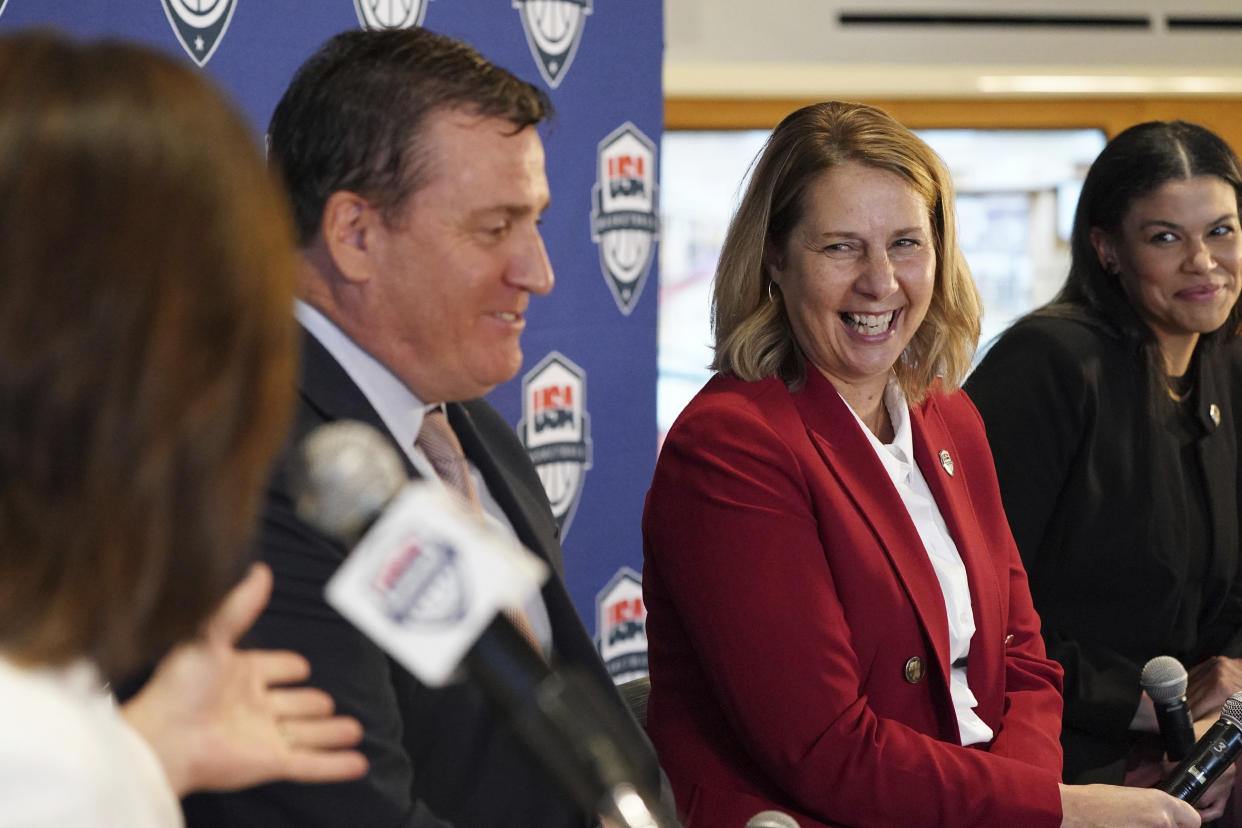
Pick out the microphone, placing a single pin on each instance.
(426, 581)
(771, 819)
(1164, 679)
(1210, 756)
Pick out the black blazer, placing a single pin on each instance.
(442, 751)
(1085, 475)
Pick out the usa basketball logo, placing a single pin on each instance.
(553, 32)
(621, 624)
(556, 430)
(419, 583)
(199, 25)
(390, 14)
(623, 217)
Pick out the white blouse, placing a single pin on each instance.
(68, 759)
(898, 460)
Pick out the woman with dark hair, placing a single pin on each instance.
(838, 620)
(1109, 414)
(146, 357)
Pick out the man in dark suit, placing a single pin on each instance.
(417, 179)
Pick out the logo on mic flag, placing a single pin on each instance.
(556, 430)
(199, 25)
(553, 31)
(621, 625)
(421, 584)
(390, 14)
(623, 217)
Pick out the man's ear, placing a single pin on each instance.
(349, 227)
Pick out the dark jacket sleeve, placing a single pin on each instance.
(1038, 391)
(361, 679)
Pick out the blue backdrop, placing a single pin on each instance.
(584, 402)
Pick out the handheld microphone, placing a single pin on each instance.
(427, 581)
(771, 819)
(1164, 679)
(1210, 756)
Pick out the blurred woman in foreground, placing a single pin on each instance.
(146, 352)
(839, 622)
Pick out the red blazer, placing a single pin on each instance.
(791, 604)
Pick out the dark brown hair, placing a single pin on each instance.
(352, 116)
(146, 349)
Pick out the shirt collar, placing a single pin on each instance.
(401, 411)
(895, 455)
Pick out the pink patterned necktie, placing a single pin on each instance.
(442, 449)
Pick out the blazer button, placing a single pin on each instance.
(914, 669)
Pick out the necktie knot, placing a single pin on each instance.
(442, 449)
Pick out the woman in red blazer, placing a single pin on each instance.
(835, 603)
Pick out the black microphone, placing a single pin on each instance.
(348, 478)
(1164, 679)
(1210, 756)
(771, 819)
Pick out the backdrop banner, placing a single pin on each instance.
(584, 401)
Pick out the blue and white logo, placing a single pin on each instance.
(556, 430)
(200, 25)
(553, 31)
(623, 217)
(420, 583)
(621, 624)
(390, 14)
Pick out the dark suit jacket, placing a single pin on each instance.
(1085, 475)
(440, 749)
(787, 593)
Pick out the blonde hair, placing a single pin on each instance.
(754, 339)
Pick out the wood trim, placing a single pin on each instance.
(1222, 115)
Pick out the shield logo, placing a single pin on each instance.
(553, 31)
(199, 25)
(390, 14)
(623, 218)
(621, 625)
(420, 583)
(556, 430)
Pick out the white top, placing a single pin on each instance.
(68, 759)
(898, 460)
(402, 413)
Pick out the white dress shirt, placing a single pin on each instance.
(898, 460)
(402, 414)
(68, 759)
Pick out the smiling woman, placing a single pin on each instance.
(839, 624)
(1109, 413)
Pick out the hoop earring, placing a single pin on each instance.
(771, 297)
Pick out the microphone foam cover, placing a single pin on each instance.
(771, 819)
(344, 474)
(1164, 678)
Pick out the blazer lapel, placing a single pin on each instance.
(851, 459)
(951, 494)
(332, 394)
(1218, 456)
(513, 498)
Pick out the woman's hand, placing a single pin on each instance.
(220, 718)
(1211, 682)
(1106, 806)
